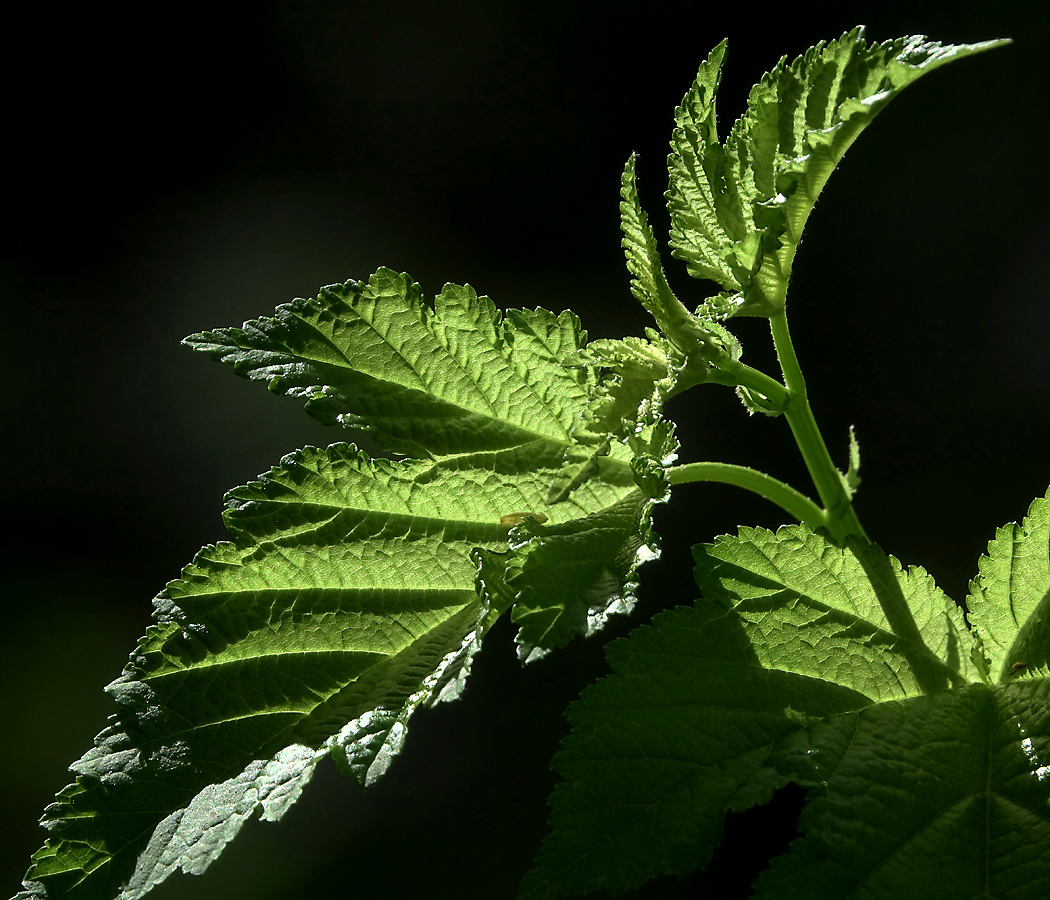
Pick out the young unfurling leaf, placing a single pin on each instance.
(738, 208)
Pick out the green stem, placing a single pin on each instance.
(732, 372)
(757, 381)
(783, 495)
(841, 518)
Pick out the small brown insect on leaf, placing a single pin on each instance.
(1016, 668)
(512, 519)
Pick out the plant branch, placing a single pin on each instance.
(757, 381)
(721, 368)
(841, 518)
(783, 495)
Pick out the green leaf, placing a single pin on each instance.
(848, 614)
(704, 223)
(738, 209)
(851, 477)
(649, 285)
(1009, 600)
(458, 378)
(650, 467)
(660, 749)
(641, 374)
(939, 796)
(350, 595)
(567, 578)
(830, 666)
(356, 606)
(573, 576)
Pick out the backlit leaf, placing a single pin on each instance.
(738, 208)
(349, 597)
(829, 666)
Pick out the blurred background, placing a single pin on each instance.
(195, 168)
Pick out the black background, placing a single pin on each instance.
(194, 168)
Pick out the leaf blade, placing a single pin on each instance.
(806, 600)
(738, 210)
(917, 792)
(349, 597)
(422, 381)
(940, 795)
(685, 724)
(698, 231)
(1009, 600)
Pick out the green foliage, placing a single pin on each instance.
(829, 666)
(349, 596)
(1009, 603)
(738, 208)
(524, 466)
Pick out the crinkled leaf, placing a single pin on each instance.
(939, 796)
(650, 465)
(1009, 600)
(566, 579)
(648, 284)
(347, 602)
(585, 459)
(350, 596)
(704, 224)
(699, 338)
(848, 614)
(640, 374)
(571, 577)
(660, 749)
(828, 666)
(738, 209)
(458, 378)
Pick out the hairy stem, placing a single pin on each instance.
(757, 381)
(841, 519)
(733, 373)
(783, 495)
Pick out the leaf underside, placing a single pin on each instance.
(350, 595)
(831, 667)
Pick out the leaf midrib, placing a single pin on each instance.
(490, 412)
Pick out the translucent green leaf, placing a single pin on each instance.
(1009, 600)
(848, 614)
(457, 378)
(324, 635)
(324, 496)
(704, 222)
(924, 783)
(649, 285)
(350, 595)
(640, 375)
(738, 209)
(851, 477)
(573, 576)
(565, 578)
(650, 467)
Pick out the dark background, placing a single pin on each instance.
(192, 169)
